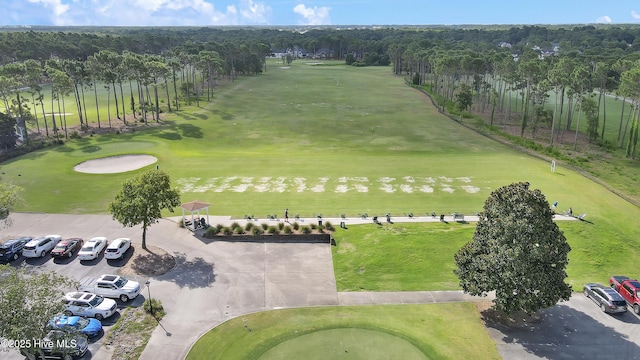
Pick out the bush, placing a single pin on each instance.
(227, 230)
(249, 226)
(154, 307)
(235, 225)
(305, 230)
(314, 226)
(211, 232)
(280, 226)
(238, 230)
(296, 226)
(265, 226)
(219, 227)
(287, 230)
(328, 226)
(256, 230)
(272, 230)
(320, 228)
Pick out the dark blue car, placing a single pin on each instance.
(88, 326)
(12, 249)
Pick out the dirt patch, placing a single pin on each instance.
(499, 319)
(129, 336)
(153, 261)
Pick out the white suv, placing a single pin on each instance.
(117, 248)
(88, 304)
(92, 248)
(40, 246)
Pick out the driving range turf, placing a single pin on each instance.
(337, 139)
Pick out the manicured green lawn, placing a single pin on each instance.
(419, 256)
(398, 257)
(426, 327)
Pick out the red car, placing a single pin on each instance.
(66, 248)
(629, 289)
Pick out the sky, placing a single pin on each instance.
(315, 12)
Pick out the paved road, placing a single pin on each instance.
(215, 281)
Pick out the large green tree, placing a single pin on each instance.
(142, 200)
(517, 251)
(9, 197)
(27, 301)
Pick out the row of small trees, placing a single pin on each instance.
(498, 81)
(188, 72)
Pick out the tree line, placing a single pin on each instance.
(511, 71)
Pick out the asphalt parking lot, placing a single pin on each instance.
(212, 281)
(74, 269)
(576, 329)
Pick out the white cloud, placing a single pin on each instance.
(313, 16)
(635, 15)
(155, 12)
(56, 5)
(255, 13)
(603, 20)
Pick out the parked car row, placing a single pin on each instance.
(58, 248)
(621, 292)
(67, 337)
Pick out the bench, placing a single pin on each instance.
(458, 217)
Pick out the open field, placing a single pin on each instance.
(308, 138)
(425, 327)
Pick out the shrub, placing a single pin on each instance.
(320, 228)
(235, 225)
(238, 230)
(296, 226)
(256, 230)
(287, 230)
(227, 230)
(328, 226)
(265, 226)
(249, 226)
(154, 307)
(272, 230)
(74, 135)
(219, 227)
(211, 232)
(305, 230)
(313, 226)
(280, 226)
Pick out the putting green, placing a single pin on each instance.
(349, 343)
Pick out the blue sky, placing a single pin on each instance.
(315, 12)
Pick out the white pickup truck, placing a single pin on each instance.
(111, 286)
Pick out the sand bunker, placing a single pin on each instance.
(115, 164)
